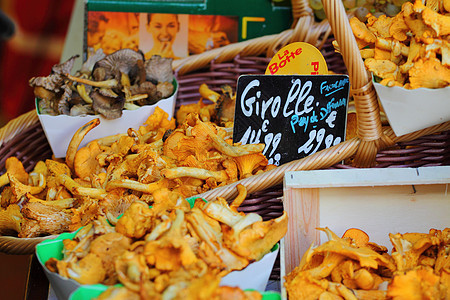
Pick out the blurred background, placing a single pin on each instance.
(32, 41)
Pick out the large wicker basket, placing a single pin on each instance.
(374, 146)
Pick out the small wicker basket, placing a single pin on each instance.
(374, 146)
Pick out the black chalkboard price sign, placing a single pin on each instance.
(293, 115)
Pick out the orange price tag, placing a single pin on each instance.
(298, 58)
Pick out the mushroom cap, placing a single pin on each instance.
(159, 69)
(248, 163)
(55, 80)
(65, 67)
(136, 221)
(108, 107)
(361, 31)
(381, 26)
(85, 162)
(121, 61)
(414, 284)
(429, 73)
(93, 58)
(14, 166)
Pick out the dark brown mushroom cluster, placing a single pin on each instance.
(105, 84)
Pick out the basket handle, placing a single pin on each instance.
(305, 28)
(369, 128)
(17, 125)
(338, 20)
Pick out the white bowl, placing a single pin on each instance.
(60, 129)
(412, 110)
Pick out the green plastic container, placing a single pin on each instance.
(88, 292)
(258, 271)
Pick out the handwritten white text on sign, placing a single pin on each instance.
(302, 111)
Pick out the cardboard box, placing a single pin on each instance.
(411, 110)
(180, 28)
(378, 201)
(60, 129)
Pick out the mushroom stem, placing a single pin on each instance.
(199, 173)
(125, 79)
(20, 189)
(60, 203)
(136, 97)
(4, 180)
(130, 106)
(106, 83)
(242, 195)
(226, 148)
(82, 92)
(209, 94)
(136, 185)
(76, 140)
(80, 190)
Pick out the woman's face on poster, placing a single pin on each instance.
(163, 27)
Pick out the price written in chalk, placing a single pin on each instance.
(293, 115)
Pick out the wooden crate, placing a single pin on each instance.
(378, 201)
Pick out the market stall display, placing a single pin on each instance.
(408, 50)
(360, 8)
(166, 248)
(362, 231)
(91, 292)
(374, 144)
(122, 89)
(408, 56)
(351, 266)
(108, 174)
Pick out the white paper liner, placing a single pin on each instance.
(411, 110)
(60, 129)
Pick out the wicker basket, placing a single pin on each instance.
(374, 146)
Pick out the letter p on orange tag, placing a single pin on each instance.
(298, 58)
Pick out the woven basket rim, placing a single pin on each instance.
(21, 246)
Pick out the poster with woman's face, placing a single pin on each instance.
(163, 34)
(169, 35)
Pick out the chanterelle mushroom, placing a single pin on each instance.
(172, 250)
(136, 220)
(414, 285)
(429, 73)
(15, 167)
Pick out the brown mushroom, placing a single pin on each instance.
(109, 107)
(159, 69)
(121, 61)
